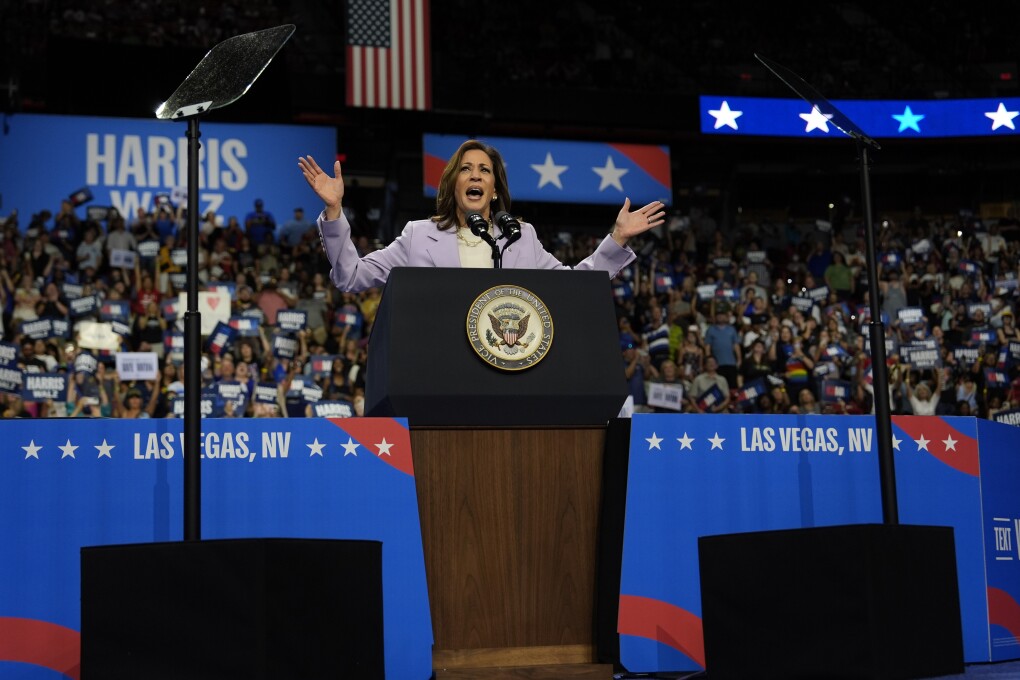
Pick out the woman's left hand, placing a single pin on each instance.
(630, 223)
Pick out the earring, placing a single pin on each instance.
(495, 197)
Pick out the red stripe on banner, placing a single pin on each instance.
(1004, 611)
(651, 159)
(433, 170)
(384, 438)
(397, 77)
(663, 622)
(944, 442)
(41, 643)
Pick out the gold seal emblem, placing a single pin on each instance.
(510, 328)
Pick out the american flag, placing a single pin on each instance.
(388, 56)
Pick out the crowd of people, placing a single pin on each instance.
(768, 317)
(775, 318)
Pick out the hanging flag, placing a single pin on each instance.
(388, 54)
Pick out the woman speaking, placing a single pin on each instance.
(471, 206)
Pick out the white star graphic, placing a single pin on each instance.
(350, 448)
(896, 442)
(725, 116)
(315, 448)
(716, 442)
(610, 175)
(685, 442)
(1001, 117)
(384, 447)
(31, 451)
(68, 450)
(816, 120)
(653, 442)
(922, 443)
(950, 443)
(104, 449)
(549, 172)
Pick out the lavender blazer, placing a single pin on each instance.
(422, 244)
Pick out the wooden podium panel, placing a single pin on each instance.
(509, 523)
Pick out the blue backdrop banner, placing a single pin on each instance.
(126, 162)
(99, 482)
(693, 476)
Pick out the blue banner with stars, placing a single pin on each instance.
(877, 118)
(547, 170)
(703, 475)
(95, 482)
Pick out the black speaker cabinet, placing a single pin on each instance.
(257, 609)
(858, 601)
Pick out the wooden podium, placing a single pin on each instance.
(508, 467)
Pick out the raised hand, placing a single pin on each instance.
(329, 189)
(630, 223)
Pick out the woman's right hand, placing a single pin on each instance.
(329, 189)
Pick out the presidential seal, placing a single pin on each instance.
(510, 328)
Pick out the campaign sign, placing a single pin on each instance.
(179, 257)
(663, 283)
(311, 393)
(83, 306)
(11, 379)
(333, 409)
(98, 335)
(213, 306)
(706, 291)
(9, 353)
(747, 395)
(969, 267)
(123, 259)
(234, 393)
(115, 310)
(178, 281)
(298, 383)
(622, 292)
(984, 335)
(974, 307)
(921, 354)
(292, 319)
(722, 262)
(70, 291)
(173, 345)
(137, 365)
(728, 294)
(909, 316)
(246, 326)
(1009, 417)
(834, 391)
(220, 339)
(172, 309)
(804, 304)
(120, 328)
(85, 363)
(824, 368)
(819, 294)
(966, 355)
(996, 378)
(39, 329)
(148, 249)
(44, 386)
(284, 347)
(321, 365)
(265, 393)
(666, 396)
(708, 400)
(1013, 349)
(755, 256)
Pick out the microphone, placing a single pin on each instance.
(478, 225)
(510, 227)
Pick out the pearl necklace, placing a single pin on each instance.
(461, 237)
